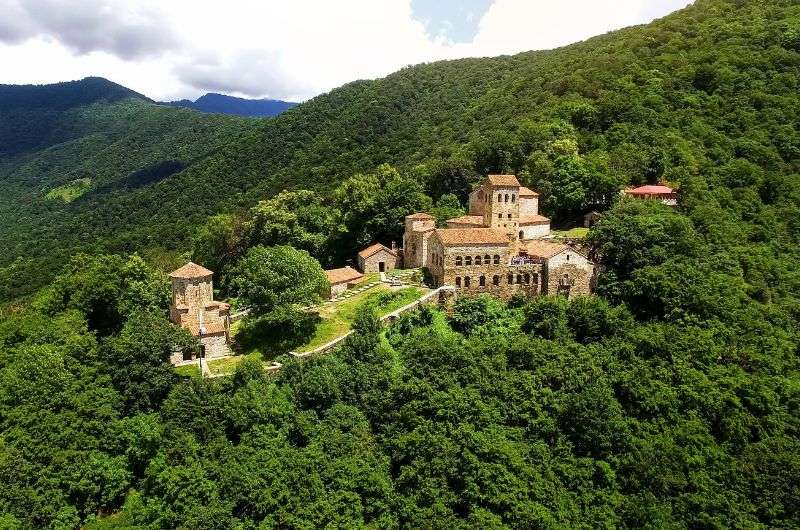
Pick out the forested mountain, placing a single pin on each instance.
(223, 104)
(692, 95)
(68, 148)
(670, 400)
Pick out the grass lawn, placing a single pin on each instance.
(578, 232)
(189, 370)
(229, 364)
(336, 319)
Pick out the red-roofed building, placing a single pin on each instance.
(665, 194)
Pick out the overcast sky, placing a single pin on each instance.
(296, 49)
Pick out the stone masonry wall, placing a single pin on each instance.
(509, 278)
(569, 268)
(372, 263)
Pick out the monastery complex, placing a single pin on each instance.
(499, 248)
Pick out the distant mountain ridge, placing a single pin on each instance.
(222, 104)
(65, 95)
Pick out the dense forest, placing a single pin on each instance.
(705, 93)
(670, 400)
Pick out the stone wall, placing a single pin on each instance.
(372, 263)
(528, 206)
(337, 289)
(192, 292)
(501, 212)
(570, 274)
(467, 273)
(415, 249)
(535, 231)
(216, 346)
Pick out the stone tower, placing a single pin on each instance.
(501, 210)
(419, 227)
(193, 308)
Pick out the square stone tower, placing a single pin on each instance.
(501, 210)
(193, 308)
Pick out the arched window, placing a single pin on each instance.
(482, 281)
(499, 216)
(496, 280)
(487, 259)
(510, 279)
(527, 279)
(468, 261)
(496, 259)
(506, 197)
(509, 216)
(499, 197)
(521, 234)
(513, 197)
(466, 282)
(459, 261)
(567, 257)
(458, 281)
(477, 260)
(519, 278)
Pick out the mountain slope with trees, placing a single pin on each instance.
(669, 400)
(703, 93)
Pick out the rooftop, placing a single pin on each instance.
(191, 270)
(651, 189)
(372, 249)
(467, 220)
(503, 180)
(544, 249)
(453, 237)
(345, 274)
(529, 220)
(527, 192)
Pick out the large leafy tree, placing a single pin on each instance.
(268, 279)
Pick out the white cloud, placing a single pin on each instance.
(270, 48)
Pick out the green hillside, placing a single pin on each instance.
(69, 148)
(689, 95)
(668, 400)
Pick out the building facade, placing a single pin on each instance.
(340, 280)
(498, 248)
(193, 308)
(378, 258)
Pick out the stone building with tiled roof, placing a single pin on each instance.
(342, 279)
(378, 258)
(193, 308)
(498, 247)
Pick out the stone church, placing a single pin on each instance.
(498, 248)
(193, 308)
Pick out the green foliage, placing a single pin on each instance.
(271, 278)
(671, 401)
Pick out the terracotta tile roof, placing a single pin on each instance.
(532, 220)
(343, 275)
(651, 190)
(191, 270)
(527, 192)
(452, 237)
(544, 249)
(420, 215)
(475, 220)
(211, 328)
(372, 249)
(222, 306)
(503, 180)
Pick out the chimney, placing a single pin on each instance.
(394, 245)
